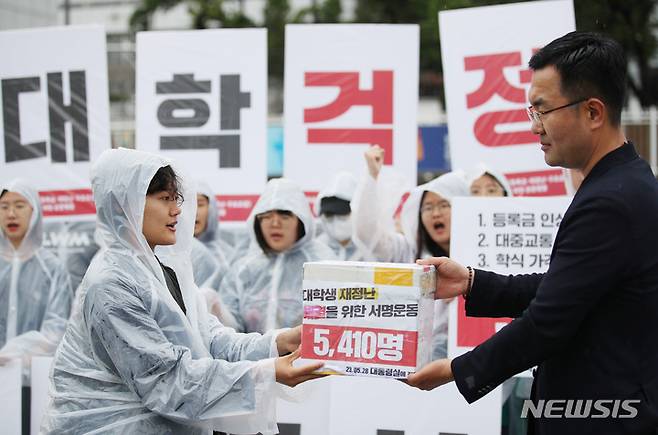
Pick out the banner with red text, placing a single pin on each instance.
(349, 86)
(55, 113)
(485, 53)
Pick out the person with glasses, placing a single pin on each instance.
(426, 224)
(263, 289)
(589, 323)
(141, 355)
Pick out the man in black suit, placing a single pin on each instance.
(590, 323)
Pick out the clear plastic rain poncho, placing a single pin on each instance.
(131, 361)
(35, 290)
(264, 291)
(388, 245)
(339, 227)
(210, 237)
(205, 267)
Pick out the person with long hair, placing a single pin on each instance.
(426, 224)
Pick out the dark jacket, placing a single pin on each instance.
(590, 323)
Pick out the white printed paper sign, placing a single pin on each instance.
(486, 83)
(347, 87)
(504, 235)
(202, 99)
(368, 319)
(55, 112)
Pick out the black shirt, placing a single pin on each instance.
(172, 285)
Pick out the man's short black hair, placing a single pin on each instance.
(3, 192)
(590, 65)
(165, 180)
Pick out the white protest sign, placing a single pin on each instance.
(345, 405)
(55, 112)
(349, 86)
(504, 235)
(40, 380)
(202, 99)
(486, 82)
(10, 397)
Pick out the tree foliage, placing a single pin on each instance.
(632, 23)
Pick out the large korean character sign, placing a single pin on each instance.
(202, 100)
(485, 53)
(55, 113)
(348, 87)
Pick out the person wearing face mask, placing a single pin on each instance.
(333, 205)
(263, 290)
(484, 181)
(425, 221)
(141, 354)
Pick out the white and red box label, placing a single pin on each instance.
(369, 319)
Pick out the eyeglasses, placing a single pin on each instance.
(442, 207)
(535, 115)
(18, 206)
(178, 198)
(284, 216)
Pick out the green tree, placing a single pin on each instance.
(204, 13)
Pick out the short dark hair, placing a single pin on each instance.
(260, 238)
(3, 192)
(590, 65)
(165, 180)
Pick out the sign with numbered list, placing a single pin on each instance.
(486, 84)
(503, 235)
(347, 87)
(202, 100)
(55, 117)
(368, 319)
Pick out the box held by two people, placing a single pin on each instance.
(367, 319)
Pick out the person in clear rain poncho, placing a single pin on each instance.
(140, 354)
(264, 289)
(35, 288)
(206, 229)
(333, 207)
(425, 222)
(485, 181)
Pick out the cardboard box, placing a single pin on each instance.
(368, 319)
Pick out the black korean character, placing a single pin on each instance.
(502, 240)
(502, 260)
(412, 310)
(332, 312)
(517, 260)
(546, 240)
(513, 219)
(375, 311)
(528, 220)
(516, 240)
(399, 310)
(370, 293)
(531, 240)
(499, 219)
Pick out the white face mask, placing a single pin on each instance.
(338, 227)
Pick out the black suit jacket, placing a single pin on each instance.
(590, 323)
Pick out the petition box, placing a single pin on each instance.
(368, 319)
